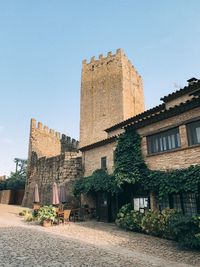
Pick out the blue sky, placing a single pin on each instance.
(43, 42)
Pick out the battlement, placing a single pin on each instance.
(119, 55)
(45, 129)
(49, 143)
(102, 58)
(68, 144)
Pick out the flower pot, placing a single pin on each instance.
(47, 223)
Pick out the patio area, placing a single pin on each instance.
(87, 243)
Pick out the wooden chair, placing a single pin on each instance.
(67, 216)
(36, 206)
(63, 216)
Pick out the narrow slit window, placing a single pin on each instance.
(104, 163)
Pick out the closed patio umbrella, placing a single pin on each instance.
(36, 194)
(63, 198)
(55, 195)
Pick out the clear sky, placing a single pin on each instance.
(43, 42)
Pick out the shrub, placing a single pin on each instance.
(46, 213)
(157, 223)
(130, 219)
(167, 215)
(24, 212)
(151, 223)
(28, 217)
(186, 230)
(169, 223)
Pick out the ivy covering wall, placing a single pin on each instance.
(100, 180)
(130, 167)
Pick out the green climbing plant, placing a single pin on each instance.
(130, 167)
(100, 180)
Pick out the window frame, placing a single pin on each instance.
(164, 139)
(104, 162)
(190, 133)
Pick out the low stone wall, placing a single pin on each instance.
(7, 197)
(11, 197)
(63, 169)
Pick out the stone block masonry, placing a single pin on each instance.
(43, 141)
(63, 169)
(111, 91)
(47, 142)
(52, 158)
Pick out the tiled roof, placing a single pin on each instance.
(99, 143)
(138, 117)
(167, 113)
(187, 89)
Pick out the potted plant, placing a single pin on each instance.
(47, 215)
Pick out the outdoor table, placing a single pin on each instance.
(75, 214)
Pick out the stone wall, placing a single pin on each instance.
(111, 91)
(43, 141)
(92, 158)
(179, 158)
(47, 142)
(63, 169)
(52, 158)
(68, 144)
(7, 197)
(133, 93)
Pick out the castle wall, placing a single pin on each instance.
(52, 158)
(63, 169)
(110, 88)
(43, 141)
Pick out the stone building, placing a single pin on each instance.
(52, 158)
(112, 99)
(170, 140)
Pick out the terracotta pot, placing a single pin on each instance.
(47, 223)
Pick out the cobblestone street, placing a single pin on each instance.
(83, 244)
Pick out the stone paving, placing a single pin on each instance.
(83, 244)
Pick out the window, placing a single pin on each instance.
(164, 203)
(103, 163)
(164, 141)
(193, 130)
(177, 202)
(190, 204)
(184, 202)
(140, 204)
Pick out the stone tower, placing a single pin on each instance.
(111, 91)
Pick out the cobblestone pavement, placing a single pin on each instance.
(83, 244)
